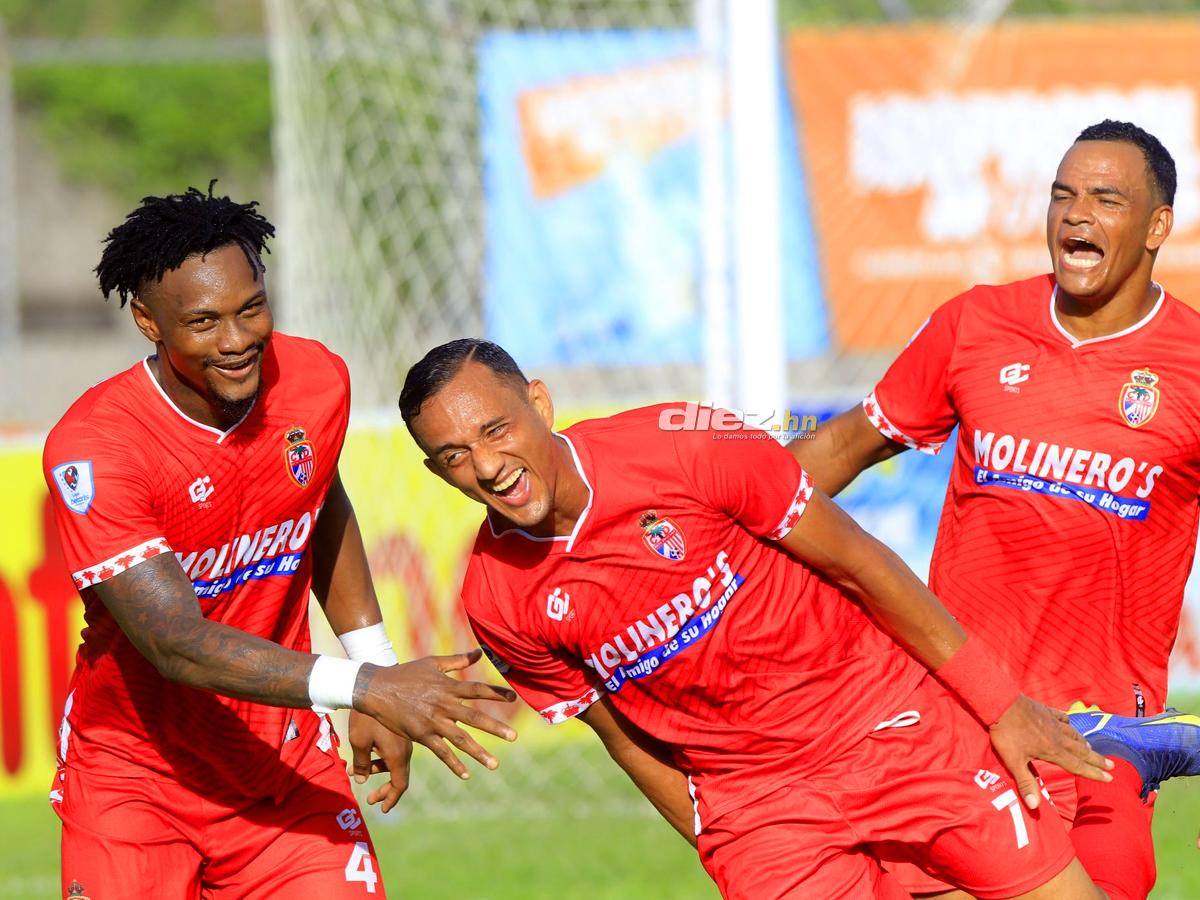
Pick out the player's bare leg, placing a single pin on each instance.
(1072, 883)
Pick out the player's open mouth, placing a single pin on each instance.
(237, 368)
(1078, 253)
(513, 489)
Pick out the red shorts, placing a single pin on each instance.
(930, 794)
(141, 837)
(1059, 786)
(1063, 790)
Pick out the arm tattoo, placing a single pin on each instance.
(155, 605)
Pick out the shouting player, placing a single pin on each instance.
(661, 584)
(1070, 520)
(198, 500)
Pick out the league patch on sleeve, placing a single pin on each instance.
(74, 480)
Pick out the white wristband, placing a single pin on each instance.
(331, 683)
(369, 644)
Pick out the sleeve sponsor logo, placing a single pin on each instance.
(74, 481)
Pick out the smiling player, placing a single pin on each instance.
(1069, 523)
(198, 500)
(666, 585)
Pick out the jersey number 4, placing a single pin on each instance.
(359, 868)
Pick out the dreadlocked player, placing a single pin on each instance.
(195, 754)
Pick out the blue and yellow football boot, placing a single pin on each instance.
(1159, 747)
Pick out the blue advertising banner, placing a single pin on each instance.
(592, 186)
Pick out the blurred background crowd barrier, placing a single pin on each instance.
(642, 200)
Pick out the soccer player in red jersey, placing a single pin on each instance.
(1069, 522)
(198, 500)
(670, 587)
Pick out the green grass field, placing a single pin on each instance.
(523, 857)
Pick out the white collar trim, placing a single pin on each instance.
(1075, 342)
(569, 538)
(221, 435)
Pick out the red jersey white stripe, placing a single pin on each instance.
(1070, 519)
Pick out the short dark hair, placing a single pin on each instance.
(1158, 160)
(163, 232)
(442, 363)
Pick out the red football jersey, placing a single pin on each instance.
(1069, 523)
(133, 477)
(670, 596)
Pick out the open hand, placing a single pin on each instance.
(419, 701)
(1029, 731)
(394, 753)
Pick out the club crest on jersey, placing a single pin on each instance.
(1139, 398)
(300, 456)
(74, 480)
(662, 536)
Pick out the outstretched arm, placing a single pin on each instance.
(1022, 731)
(156, 607)
(841, 448)
(646, 762)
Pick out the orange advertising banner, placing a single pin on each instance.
(930, 152)
(572, 130)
